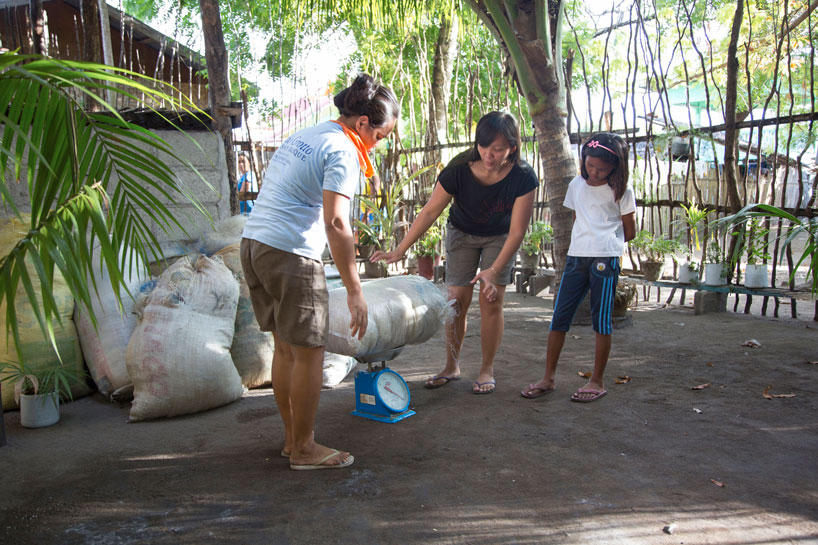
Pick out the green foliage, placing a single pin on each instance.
(536, 237)
(93, 179)
(792, 227)
(428, 244)
(50, 378)
(693, 217)
(655, 248)
(714, 252)
(385, 222)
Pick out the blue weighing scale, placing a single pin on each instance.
(380, 393)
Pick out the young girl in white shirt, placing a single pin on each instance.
(604, 220)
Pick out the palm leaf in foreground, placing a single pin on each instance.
(92, 179)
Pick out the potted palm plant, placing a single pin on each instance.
(427, 250)
(796, 227)
(716, 266)
(37, 390)
(755, 246)
(694, 216)
(94, 178)
(536, 237)
(654, 250)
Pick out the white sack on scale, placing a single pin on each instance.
(402, 310)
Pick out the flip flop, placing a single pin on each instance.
(533, 392)
(321, 465)
(587, 396)
(477, 385)
(285, 454)
(430, 381)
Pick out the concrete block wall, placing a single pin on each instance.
(205, 151)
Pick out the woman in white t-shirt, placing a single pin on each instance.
(304, 203)
(604, 220)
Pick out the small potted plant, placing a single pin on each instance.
(755, 273)
(654, 249)
(37, 390)
(715, 268)
(536, 237)
(428, 252)
(367, 239)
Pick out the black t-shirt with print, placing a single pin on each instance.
(485, 210)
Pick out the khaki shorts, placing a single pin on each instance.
(288, 293)
(464, 253)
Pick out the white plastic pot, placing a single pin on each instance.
(688, 275)
(39, 410)
(755, 276)
(714, 274)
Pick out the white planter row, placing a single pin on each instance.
(755, 276)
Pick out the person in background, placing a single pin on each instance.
(303, 204)
(246, 185)
(604, 220)
(493, 192)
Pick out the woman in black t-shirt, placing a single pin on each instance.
(493, 193)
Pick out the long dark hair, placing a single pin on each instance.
(366, 97)
(492, 124)
(612, 149)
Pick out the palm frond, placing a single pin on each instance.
(92, 179)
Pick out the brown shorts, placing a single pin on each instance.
(465, 253)
(288, 293)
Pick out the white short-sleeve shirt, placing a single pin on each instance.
(598, 230)
(288, 213)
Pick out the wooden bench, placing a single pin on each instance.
(775, 293)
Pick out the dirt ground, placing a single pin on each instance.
(640, 466)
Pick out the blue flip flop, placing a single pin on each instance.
(477, 385)
(429, 381)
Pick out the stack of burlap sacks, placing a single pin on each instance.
(188, 340)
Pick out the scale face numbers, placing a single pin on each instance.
(392, 390)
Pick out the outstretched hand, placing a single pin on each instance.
(487, 279)
(389, 257)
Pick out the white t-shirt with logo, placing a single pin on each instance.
(288, 213)
(598, 230)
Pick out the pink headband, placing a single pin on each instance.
(596, 144)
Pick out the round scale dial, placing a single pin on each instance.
(392, 390)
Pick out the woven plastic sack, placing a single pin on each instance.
(104, 346)
(252, 348)
(179, 354)
(224, 233)
(402, 310)
(336, 369)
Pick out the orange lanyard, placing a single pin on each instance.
(363, 156)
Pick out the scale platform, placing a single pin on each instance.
(381, 394)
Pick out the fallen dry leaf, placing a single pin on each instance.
(709, 364)
(752, 343)
(697, 411)
(623, 380)
(575, 337)
(717, 483)
(585, 375)
(700, 386)
(766, 393)
(813, 362)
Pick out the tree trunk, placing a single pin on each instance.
(218, 84)
(730, 132)
(445, 53)
(92, 41)
(531, 32)
(37, 26)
